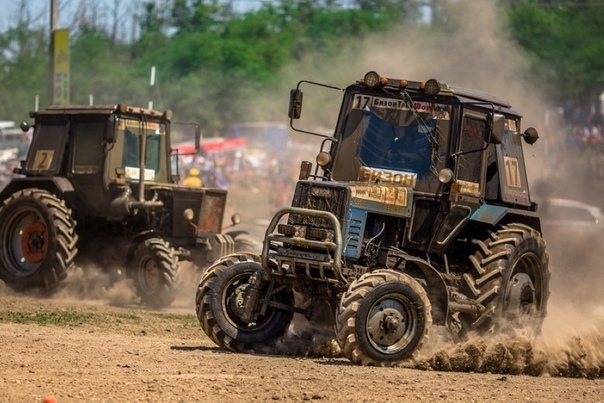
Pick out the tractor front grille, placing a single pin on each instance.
(322, 197)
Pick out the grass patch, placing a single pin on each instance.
(127, 317)
(63, 318)
(176, 317)
(97, 318)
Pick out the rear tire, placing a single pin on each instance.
(37, 240)
(383, 318)
(219, 303)
(155, 268)
(510, 277)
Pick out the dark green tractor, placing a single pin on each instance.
(418, 214)
(84, 166)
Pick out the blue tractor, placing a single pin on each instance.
(417, 214)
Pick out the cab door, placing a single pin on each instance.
(467, 190)
(87, 162)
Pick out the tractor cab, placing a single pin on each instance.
(424, 151)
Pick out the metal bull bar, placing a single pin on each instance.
(334, 249)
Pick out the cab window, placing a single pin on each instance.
(155, 166)
(472, 139)
(89, 153)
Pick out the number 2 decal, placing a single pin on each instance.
(43, 159)
(512, 172)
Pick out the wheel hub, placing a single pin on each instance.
(151, 275)
(390, 324)
(34, 242)
(237, 299)
(521, 294)
(387, 322)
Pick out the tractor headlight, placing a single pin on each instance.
(188, 214)
(371, 79)
(445, 175)
(236, 219)
(323, 159)
(432, 86)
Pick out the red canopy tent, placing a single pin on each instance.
(210, 145)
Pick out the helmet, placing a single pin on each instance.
(193, 171)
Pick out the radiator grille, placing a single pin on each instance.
(319, 197)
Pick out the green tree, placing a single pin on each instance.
(567, 41)
(23, 70)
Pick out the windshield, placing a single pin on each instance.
(129, 134)
(402, 147)
(391, 141)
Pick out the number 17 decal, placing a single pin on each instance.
(361, 101)
(512, 172)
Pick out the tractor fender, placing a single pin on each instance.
(437, 290)
(58, 186)
(496, 215)
(235, 234)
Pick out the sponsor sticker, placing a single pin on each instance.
(367, 174)
(133, 173)
(368, 102)
(382, 194)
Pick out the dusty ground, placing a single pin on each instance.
(93, 343)
(86, 351)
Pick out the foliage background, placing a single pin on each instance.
(218, 66)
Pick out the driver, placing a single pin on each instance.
(410, 149)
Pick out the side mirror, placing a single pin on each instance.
(497, 128)
(111, 129)
(24, 126)
(530, 135)
(295, 104)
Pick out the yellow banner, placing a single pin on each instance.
(60, 92)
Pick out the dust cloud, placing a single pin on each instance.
(88, 283)
(94, 283)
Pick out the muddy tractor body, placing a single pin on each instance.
(100, 186)
(417, 214)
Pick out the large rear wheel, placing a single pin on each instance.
(383, 318)
(37, 240)
(510, 277)
(220, 306)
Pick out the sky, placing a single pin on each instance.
(39, 10)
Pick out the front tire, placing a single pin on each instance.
(383, 318)
(37, 240)
(155, 268)
(219, 305)
(510, 277)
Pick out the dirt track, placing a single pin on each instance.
(89, 350)
(101, 353)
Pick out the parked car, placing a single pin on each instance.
(560, 213)
(574, 232)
